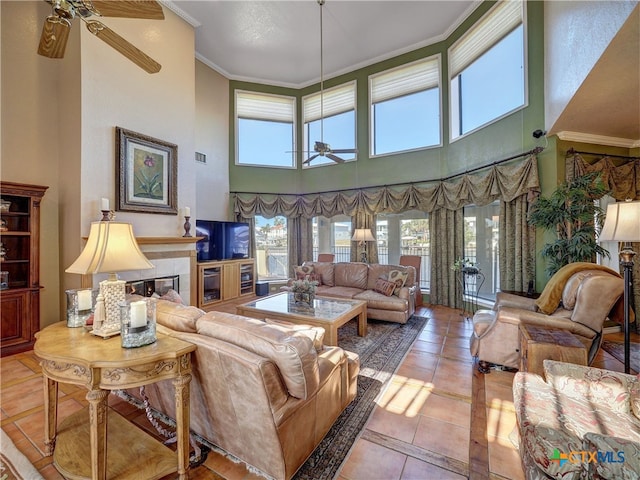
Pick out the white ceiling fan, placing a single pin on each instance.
(320, 148)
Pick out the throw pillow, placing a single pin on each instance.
(398, 277)
(315, 277)
(384, 287)
(635, 397)
(303, 271)
(172, 296)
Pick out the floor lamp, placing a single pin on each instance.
(622, 224)
(362, 235)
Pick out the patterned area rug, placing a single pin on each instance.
(381, 352)
(13, 464)
(616, 349)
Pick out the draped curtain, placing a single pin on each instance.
(299, 241)
(447, 244)
(514, 183)
(623, 182)
(516, 245)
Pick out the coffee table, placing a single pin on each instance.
(329, 313)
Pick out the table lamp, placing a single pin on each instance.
(111, 248)
(362, 235)
(622, 224)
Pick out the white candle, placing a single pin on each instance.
(138, 314)
(84, 300)
(105, 204)
(187, 212)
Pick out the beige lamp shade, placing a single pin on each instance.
(622, 223)
(111, 248)
(362, 235)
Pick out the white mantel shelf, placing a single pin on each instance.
(166, 240)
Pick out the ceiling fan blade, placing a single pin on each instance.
(53, 40)
(114, 40)
(334, 157)
(345, 150)
(308, 160)
(128, 8)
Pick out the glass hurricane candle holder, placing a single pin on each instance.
(80, 304)
(138, 323)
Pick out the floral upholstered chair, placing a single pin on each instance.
(582, 423)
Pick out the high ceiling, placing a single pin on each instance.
(278, 42)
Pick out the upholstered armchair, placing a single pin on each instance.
(578, 298)
(581, 422)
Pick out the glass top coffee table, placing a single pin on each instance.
(329, 313)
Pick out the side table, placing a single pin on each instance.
(539, 343)
(80, 443)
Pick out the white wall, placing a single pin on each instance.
(58, 127)
(576, 34)
(212, 139)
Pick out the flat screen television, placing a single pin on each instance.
(222, 240)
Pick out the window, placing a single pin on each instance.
(332, 235)
(405, 107)
(481, 237)
(265, 129)
(330, 117)
(272, 254)
(405, 234)
(487, 69)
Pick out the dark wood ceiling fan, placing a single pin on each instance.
(320, 148)
(55, 31)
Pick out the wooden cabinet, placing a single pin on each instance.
(20, 264)
(225, 280)
(538, 343)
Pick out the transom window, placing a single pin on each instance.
(265, 129)
(405, 107)
(330, 117)
(487, 69)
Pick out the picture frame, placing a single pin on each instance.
(146, 173)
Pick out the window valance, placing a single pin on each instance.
(505, 182)
(623, 180)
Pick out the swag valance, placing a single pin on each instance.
(622, 180)
(505, 182)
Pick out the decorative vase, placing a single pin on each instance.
(304, 298)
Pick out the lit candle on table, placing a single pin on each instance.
(105, 204)
(138, 314)
(84, 300)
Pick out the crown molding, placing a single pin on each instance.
(598, 139)
(181, 13)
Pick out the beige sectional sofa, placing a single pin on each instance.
(265, 393)
(358, 281)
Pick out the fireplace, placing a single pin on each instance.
(148, 286)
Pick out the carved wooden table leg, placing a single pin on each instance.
(181, 385)
(50, 414)
(98, 418)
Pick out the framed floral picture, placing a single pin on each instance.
(146, 174)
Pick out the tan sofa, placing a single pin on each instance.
(265, 393)
(358, 281)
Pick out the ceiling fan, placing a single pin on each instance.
(320, 148)
(55, 31)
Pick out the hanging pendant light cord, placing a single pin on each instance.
(321, 3)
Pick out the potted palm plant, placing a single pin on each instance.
(572, 212)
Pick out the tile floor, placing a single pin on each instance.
(439, 418)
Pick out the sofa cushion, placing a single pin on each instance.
(380, 301)
(316, 334)
(384, 287)
(325, 271)
(570, 292)
(340, 292)
(291, 351)
(177, 316)
(351, 274)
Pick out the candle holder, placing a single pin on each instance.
(138, 323)
(80, 305)
(187, 227)
(107, 215)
